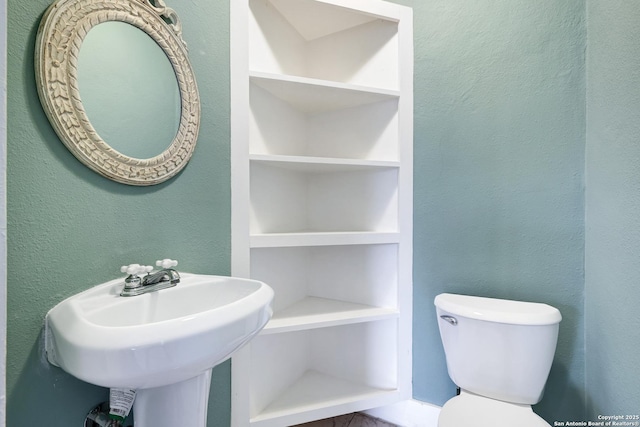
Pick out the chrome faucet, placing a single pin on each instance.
(164, 278)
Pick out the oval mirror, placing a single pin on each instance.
(87, 52)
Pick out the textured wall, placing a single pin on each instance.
(3, 183)
(70, 229)
(612, 207)
(499, 160)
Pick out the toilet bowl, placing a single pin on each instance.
(469, 409)
(499, 352)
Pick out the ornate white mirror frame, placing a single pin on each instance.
(60, 35)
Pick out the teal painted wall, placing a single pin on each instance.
(612, 207)
(499, 161)
(69, 228)
(3, 200)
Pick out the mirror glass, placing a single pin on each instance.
(129, 89)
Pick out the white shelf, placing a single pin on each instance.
(321, 164)
(314, 312)
(281, 240)
(310, 95)
(316, 395)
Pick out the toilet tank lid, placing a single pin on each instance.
(498, 310)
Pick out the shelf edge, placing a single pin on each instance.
(320, 83)
(280, 240)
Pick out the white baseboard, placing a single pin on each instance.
(409, 413)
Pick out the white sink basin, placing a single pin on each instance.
(159, 338)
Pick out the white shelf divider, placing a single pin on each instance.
(316, 96)
(282, 240)
(321, 164)
(315, 312)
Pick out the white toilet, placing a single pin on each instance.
(499, 353)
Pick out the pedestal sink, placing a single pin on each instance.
(162, 344)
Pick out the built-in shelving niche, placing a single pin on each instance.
(321, 183)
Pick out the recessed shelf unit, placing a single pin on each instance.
(322, 119)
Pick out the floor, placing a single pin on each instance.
(349, 420)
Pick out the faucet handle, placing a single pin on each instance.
(135, 269)
(166, 263)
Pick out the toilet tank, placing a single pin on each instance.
(498, 348)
